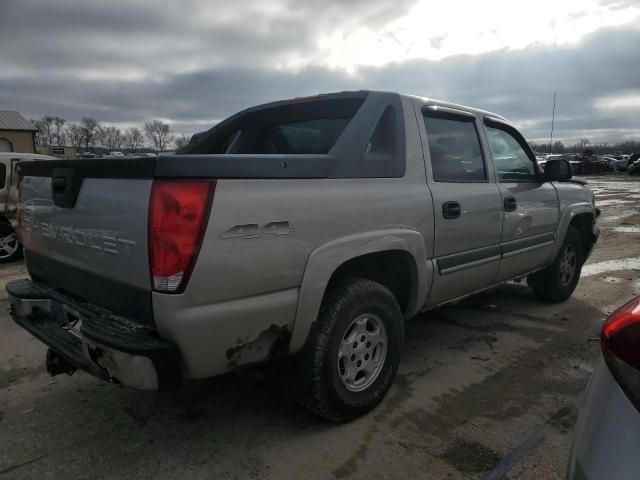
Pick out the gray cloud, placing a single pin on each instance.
(126, 63)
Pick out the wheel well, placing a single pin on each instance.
(395, 269)
(584, 223)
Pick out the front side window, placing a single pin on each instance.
(455, 150)
(512, 162)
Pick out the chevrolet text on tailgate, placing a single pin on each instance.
(312, 228)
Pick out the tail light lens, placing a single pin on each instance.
(178, 215)
(620, 340)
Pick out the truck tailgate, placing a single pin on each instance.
(88, 236)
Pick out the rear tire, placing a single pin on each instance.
(10, 247)
(353, 351)
(557, 282)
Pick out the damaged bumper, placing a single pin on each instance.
(87, 337)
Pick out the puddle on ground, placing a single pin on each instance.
(608, 279)
(470, 457)
(611, 266)
(627, 229)
(615, 218)
(598, 185)
(606, 203)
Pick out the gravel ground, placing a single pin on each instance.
(494, 381)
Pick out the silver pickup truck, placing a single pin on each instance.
(310, 228)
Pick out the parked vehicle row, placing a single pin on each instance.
(589, 163)
(117, 154)
(633, 166)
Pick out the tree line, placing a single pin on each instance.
(627, 147)
(89, 132)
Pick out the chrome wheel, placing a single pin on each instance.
(362, 352)
(9, 245)
(568, 264)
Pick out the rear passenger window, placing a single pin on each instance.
(382, 145)
(295, 127)
(225, 143)
(315, 136)
(455, 150)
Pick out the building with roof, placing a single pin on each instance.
(17, 134)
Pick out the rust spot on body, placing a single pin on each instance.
(267, 344)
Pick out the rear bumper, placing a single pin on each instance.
(95, 340)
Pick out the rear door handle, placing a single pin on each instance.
(510, 204)
(451, 210)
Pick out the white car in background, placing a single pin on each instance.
(10, 247)
(116, 155)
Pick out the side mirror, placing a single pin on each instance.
(557, 171)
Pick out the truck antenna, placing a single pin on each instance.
(553, 117)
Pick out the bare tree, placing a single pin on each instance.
(75, 135)
(111, 137)
(181, 141)
(40, 135)
(158, 133)
(558, 147)
(133, 139)
(90, 130)
(59, 130)
(584, 142)
(44, 136)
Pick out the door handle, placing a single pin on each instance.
(451, 210)
(510, 204)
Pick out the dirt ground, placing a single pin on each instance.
(487, 389)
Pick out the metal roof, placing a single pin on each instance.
(14, 121)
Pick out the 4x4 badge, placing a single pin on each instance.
(253, 230)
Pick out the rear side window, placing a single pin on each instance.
(363, 133)
(3, 175)
(382, 144)
(305, 126)
(226, 143)
(455, 150)
(316, 136)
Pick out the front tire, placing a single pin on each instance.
(557, 282)
(10, 247)
(353, 351)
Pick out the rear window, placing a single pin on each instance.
(309, 126)
(316, 136)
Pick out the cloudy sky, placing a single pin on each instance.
(194, 62)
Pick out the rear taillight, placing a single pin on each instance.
(178, 215)
(620, 340)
